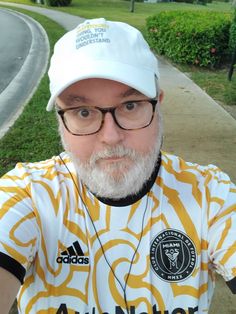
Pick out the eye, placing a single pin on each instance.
(130, 106)
(83, 112)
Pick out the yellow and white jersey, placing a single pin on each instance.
(76, 254)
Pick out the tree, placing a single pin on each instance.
(132, 5)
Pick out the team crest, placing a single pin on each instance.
(173, 255)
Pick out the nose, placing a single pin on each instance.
(110, 132)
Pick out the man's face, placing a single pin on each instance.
(113, 154)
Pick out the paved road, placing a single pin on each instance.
(24, 53)
(15, 42)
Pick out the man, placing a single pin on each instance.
(113, 225)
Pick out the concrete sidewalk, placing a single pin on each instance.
(196, 128)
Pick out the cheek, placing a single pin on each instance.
(80, 146)
(144, 139)
(143, 143)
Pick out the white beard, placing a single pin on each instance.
(103, 182)
(117, 180)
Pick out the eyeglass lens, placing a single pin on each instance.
(85, 120)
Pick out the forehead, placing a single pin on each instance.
(90, 88)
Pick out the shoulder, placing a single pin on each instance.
(28, 172)
(177, 171)
(176, 165)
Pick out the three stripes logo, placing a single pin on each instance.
(73, 255)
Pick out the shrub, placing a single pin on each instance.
(58, 3)
(192, 37)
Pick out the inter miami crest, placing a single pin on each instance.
(173, 255)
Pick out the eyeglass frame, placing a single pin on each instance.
(61, 113)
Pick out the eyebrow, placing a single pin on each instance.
(71, 98)
(131, 92)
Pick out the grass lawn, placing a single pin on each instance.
(34, 135)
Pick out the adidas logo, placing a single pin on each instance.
(73, 255)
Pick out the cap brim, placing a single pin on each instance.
(141, 79)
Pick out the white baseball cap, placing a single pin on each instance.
(104, 49)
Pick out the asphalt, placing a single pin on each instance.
(196, 128)
(24, 51)
(15, 45)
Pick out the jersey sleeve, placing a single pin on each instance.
(18, 227)
(221, 194)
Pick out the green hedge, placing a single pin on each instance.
(192, 37)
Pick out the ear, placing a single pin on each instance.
(161, 96)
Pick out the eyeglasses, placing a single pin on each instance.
(87, 120)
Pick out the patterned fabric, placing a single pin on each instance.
(75, 254)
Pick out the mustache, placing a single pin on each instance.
(116, 151)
